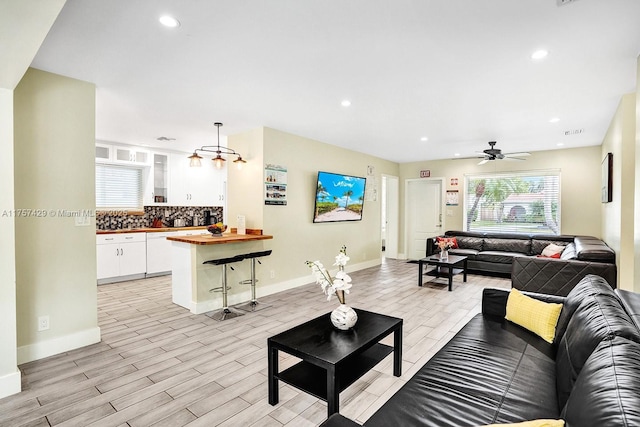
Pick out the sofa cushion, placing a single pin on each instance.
(539, 242)
(534, 315)
(498, 257)
(588, 286)
(491, 371)
(597, 318)
(607, 391)
(467, 242)
(470, 253)
(507, 245)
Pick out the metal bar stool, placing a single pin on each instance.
(225, 312)
(253, 304)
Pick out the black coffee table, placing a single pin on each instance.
(332, 359)
(454, 264)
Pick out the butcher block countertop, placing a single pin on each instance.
(209, 239)
(149, 230)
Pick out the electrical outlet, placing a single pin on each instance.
(272, 274)
(43, 323)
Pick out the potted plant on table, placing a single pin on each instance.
(343, 317)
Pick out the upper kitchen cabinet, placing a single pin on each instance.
(108, 153)
(195, 186)
(132, 155)
(103, 152)
(157, 181)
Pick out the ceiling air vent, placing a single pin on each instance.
(573, 132)
(563, 2)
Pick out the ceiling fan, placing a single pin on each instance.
(493, 153)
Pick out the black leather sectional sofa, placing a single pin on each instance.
(517, 255)
(493, 371)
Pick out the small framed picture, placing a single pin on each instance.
(607, 178)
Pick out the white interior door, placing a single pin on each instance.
(391, 216)
(423, 207)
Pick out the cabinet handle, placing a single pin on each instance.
(121, 251)
(111, 238)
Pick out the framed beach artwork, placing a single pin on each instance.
(338, 198)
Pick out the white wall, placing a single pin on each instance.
(296, 237)
(23, 26)
(54, 172)
(580, 184)
(618, 215)
(9, 374)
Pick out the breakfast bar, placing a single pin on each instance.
(192, 280)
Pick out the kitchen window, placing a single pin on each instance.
(514, 202)
(118, 187)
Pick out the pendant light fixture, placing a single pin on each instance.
(219, 150)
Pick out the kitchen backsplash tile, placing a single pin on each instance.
(168, 215)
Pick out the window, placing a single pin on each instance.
(514, 202)
(118, 187)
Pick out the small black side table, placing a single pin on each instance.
(454, 264)
(332, 359)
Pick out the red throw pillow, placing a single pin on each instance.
(452, 240)
(557, 256)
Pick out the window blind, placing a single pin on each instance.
(118, 187)
(514, 202)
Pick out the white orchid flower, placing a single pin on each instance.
(342, 259)
(341, 282)
(343, 276)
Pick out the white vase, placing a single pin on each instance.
(344, 317)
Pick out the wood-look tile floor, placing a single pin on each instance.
(160, 365)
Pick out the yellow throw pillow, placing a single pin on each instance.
(537, 316)
(534, 423)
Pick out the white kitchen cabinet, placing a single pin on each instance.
(131, 155)
(159, 252)
(103, 152)
(108, 153)
(195, 186)
(120, 256)
(156, 190)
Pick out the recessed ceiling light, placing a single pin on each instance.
(169, 21)
(457, 155)
(424, 138)
(345, 103)
(560, 144)
(539, 54)
(554, 120)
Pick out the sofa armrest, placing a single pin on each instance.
(556, 276)
(593, 249)
(337, 420)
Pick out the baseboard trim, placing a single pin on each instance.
(305, 280)
(10, 384)
(262, 291)
(40, 350)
